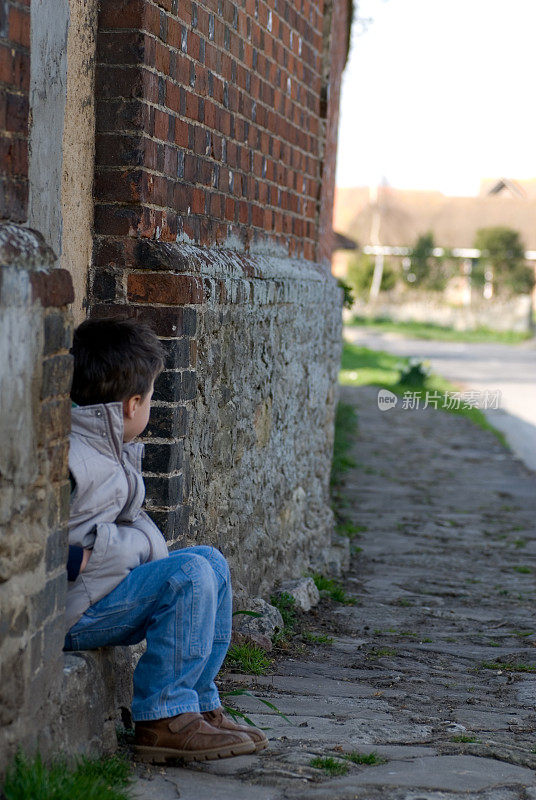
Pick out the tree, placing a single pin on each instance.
(503, 254)
(427, 271)
(360, 272)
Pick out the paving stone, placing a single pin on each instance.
(306, 686)
(340, 707)
(446, 772)
(365, 728)
(193, 785)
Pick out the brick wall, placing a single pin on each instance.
(216, 126)
(14, 87)
(209, 121)
(35, 334)
(337, 19)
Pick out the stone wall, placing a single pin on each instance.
(35, 332)
(239, 445)
(501, 314)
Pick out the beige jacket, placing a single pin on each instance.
(106, 505)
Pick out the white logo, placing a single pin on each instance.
(386, 400)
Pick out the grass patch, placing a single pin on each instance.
(248, 658)
(350, 529)
(286, 604)
(345, 433)
(331, 766)
(523, 570)
(440, 333)
(463, 739)
(516, 666)
(381, 652)
(316, 638)
(363, 367)
(333, 589)
(371, 759)
(90, 779)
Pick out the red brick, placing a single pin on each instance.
(165, 289)
(54, 288)
(121, 14)
(19, 26)
(198, 201)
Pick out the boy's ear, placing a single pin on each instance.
(130, 406)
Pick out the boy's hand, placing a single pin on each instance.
(85, 559)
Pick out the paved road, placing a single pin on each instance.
(509, 368)
(433, 669)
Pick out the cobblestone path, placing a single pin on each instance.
(434, 669)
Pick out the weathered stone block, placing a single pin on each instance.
(304, 592)
(166, 422)
(56, 550)
(162, 458)
(57, 376)
(165, 492)
(266, 625)
(177, 353)
(58, 332)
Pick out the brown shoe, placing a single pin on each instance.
(189, 737)
(218, 720)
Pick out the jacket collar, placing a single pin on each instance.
(102, 422)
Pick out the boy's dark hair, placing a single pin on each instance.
(114, 359)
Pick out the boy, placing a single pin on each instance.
(123, 585)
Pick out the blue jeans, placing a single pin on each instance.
(182, 606)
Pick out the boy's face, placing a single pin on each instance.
(136, 411)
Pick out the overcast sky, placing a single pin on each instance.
(439, 93)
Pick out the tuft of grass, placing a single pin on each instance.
(381, 652)
(331, 766)
(515, 666)
(316, 638)
(520, 543)
(523, 570)
(333, 589)
(286, 604)
(239, 715)
(371, 759)
(248, 658)
(90, 779)
(347, 528)
(363, 367)
(463, 739)
(345, 433)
